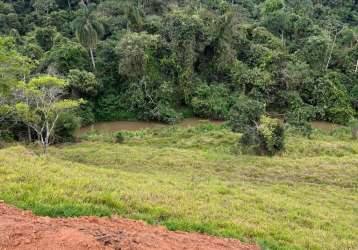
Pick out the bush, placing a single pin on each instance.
(272, 135)
(340, 114)
(113, 108)
(168, 115)
(246, 113)
(332, 97)
(300, 118)
(66, 127)
(152, 102)
(86, 114)
(212, 102)
(119, 136)
(160, 112)
(265, 139)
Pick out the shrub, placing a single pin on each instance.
(86, 114)
(119, 136)
(168, 115)
(267, 138)
(161, 112)
(340, 114)
(332, 97)
(212, 102)
(300, 118)
(111, 107)
(271, 134)
(245, 113)
(152, 100)
(66, 127)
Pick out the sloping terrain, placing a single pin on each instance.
(193, 180)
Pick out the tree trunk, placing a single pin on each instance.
(92, 58)
(330, 54)
(43, 143)
(356, 67)
(45, 146)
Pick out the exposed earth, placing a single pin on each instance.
(22, 230)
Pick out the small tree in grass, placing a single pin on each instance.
(261, 134)
(39, 105)
(245, 114)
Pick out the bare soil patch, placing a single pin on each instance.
(22, 230)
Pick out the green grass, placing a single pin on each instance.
(196, 180)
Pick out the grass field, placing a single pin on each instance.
(196, 180)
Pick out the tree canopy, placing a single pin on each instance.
(160, 60)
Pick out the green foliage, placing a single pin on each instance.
(135, 51)
(152, 59)
(272, 5)
(88, 30)
(185, 35)
(156, 60)
(212, 102)
(266, 138)
(83, 82)
(315, 50)
(40, 105)
(332, 97)
(64, 56)
(44, 6)
(66, 126)
(45, 37)
(86, 114)
(300, 118)
(13, 66)
(112, 108)
(119, 137)
(272, 135)
(245, 113)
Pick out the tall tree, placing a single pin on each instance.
(88, 30)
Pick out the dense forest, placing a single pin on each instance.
(164, 60)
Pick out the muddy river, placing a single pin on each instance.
(188, 122)
(139, 125)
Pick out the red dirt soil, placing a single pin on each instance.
(22, 230)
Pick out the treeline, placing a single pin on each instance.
(165, 60)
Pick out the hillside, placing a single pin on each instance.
(193, 180)
(231, 118)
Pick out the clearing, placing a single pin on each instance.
(194, 180)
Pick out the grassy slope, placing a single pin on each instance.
(192, 179)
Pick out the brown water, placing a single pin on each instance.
(139, 125)
(188, 122)
(325, 125)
